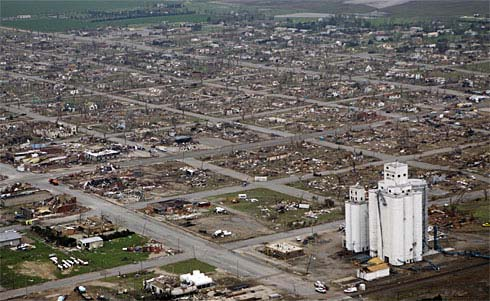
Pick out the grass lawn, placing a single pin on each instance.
(133, 282)
(110, 255)
(478, 208)
(11, 261)
(187, 266)
(15, 274)
(265, 209)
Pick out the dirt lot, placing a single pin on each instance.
(278, 211)
(324, 264)
(204, 219)
(240, 225)
(43, 270)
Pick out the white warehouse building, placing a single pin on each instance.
(397, 217)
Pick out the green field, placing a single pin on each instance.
(12, 263)
(58, 15)
(110, 255)
(479, 209)
(187, 266)
(58, 25)
(12, 8)
(480, 67)
(290, 6)
(438, 8)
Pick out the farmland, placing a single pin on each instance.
(55, 25)
(10, 8)
(59, 16)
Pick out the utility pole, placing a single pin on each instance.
(309, 263)
(237, 274)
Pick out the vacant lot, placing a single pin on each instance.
(279, 211)
(187, 266)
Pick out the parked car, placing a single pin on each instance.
(319, 283)
(352, 289)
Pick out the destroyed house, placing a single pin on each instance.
(283, 250)
(94, 225)
(169, 206)
(102, 155)
(59, 204)
(182, 139)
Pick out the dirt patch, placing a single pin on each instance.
(99, 283)
(378, 3)
(242, 227)
(43, 270)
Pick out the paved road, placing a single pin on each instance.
(282, 235)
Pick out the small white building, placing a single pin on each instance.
(91, 243)
(375, 268)
(356, 220)
(10, 239)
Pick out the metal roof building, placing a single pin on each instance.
(10, 238)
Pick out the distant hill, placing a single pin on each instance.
(378, 3)
(396, 8)
(437, 8)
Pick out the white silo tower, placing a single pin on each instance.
(396, 216)
(356, 220)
